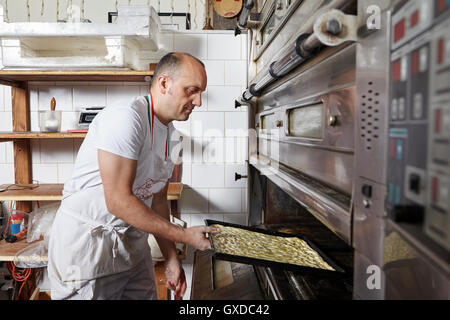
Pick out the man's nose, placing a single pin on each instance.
(197, 100)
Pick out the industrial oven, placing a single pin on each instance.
(349, 146)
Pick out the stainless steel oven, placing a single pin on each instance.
(349, 143)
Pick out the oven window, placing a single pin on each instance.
(268, 28)
(268, 123)
(307, 121)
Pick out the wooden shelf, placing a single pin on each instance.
(8, 136)
(44, 192)
(9, 250)
(11, 77)
(174, 191)
(53, 192)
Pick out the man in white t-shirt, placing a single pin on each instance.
(117, 195)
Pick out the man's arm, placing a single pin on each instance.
(118, 174)
(175, 278)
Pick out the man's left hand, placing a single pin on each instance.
(175, 278)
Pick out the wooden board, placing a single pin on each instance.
(227, 8)
(53, 192)
(9, 250)
(40, 135)
(15, 77)
(22, 148)
(44, 192)
(174, 191)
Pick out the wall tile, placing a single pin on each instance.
(121, 95)
(6, 173)
(236, 218)
(244, 200)
(144, 90)
(184, 127)
(5, 121)
(199, 219)
(64, 172)
(2, 97)
(35, 151)
(9, 152)
(224, 47)
(236, 149)
(236, 124)
(194, 44)
(198, 145)
(34, 119)
(57, 150)
(186, 174)
(230, 170)
(3, 153)
(221, 98)
(7, 98)
(214, 150)
(45, 173)
(215, 71)
(34, 98)
(224, 200)
(88, 96)
(208, 176)
(207, 124)
(235, 73)
(62, 95)
(194, 200)
(70, 121)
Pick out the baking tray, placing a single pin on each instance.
(273, 264)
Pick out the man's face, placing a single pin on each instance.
(184, 92)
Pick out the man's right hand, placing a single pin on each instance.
(196, 236)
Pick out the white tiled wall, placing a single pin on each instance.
(214, 145)
(95, 10)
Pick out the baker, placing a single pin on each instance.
(117, 195)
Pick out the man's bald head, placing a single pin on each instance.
(172, 64)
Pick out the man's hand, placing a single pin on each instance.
(175, 278)
(197, 236)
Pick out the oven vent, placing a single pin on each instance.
(370, 116)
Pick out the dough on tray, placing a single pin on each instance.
(292, 250)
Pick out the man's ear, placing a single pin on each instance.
(163, 84)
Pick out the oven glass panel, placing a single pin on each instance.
(268, 123)
(306, 122)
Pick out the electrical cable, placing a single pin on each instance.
(19, 275)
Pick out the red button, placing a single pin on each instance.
(441, 50)
(397, 70)
(435, 190)
(441, 5)
(415, 62)
(399, 30)
(437, 121)
(393, 148)
(415, 18)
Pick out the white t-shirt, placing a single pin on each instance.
(85, 233)
(125, 131)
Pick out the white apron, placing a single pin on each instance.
(88, 242)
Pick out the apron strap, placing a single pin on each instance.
(151, 119)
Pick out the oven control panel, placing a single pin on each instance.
(418, 176)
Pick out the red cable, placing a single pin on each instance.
(19, 275)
